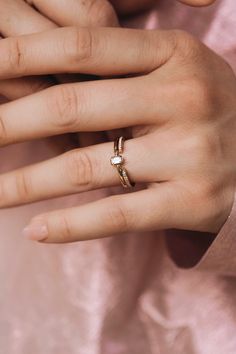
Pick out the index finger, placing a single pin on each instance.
(77, 12)
(100, 51)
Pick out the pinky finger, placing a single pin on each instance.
(139, 211)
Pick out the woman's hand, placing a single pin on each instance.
(17, 17)
(181, 109)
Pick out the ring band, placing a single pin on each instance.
(117, 161)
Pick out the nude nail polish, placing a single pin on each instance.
(36, 232)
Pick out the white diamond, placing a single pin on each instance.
(116, 160)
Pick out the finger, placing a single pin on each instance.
(88, 106)
(76, 171)
(28, 20)
(84, 169)
(101, 51)
(16, 17)
(197, 3)
(77, 12)
(145, 210)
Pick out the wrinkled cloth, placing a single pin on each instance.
(129, 294)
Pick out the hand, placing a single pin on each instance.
(17, 17)
(181, 110)
(47, 15)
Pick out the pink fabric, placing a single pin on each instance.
(121, 295)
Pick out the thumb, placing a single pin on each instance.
(197, 3)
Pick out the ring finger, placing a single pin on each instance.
(80, 170)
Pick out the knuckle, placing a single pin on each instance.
(203, 94)
(58, 226)
(14, 55)
(206, 152)
(102, 13)
(202, 195)
(210, 199)
(79, 45)
(118, 218)
(187, 46)
(64, 228)
(215, 203)
(200, 98)
(80, 169)
(156, 40)
(208, 190)
(23, 186)
(64, 102)
(208, 147)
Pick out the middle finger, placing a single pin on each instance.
(88, 106)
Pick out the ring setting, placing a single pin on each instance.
(118, 162)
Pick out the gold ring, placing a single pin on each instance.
(118, 161)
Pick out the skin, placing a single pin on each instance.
(180, 109)
(43, 16)
(29, 20)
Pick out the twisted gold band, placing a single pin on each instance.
(117, 161)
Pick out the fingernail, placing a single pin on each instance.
(36, 232)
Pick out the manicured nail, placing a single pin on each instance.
(36, 232)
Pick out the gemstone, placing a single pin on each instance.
(116, 160)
